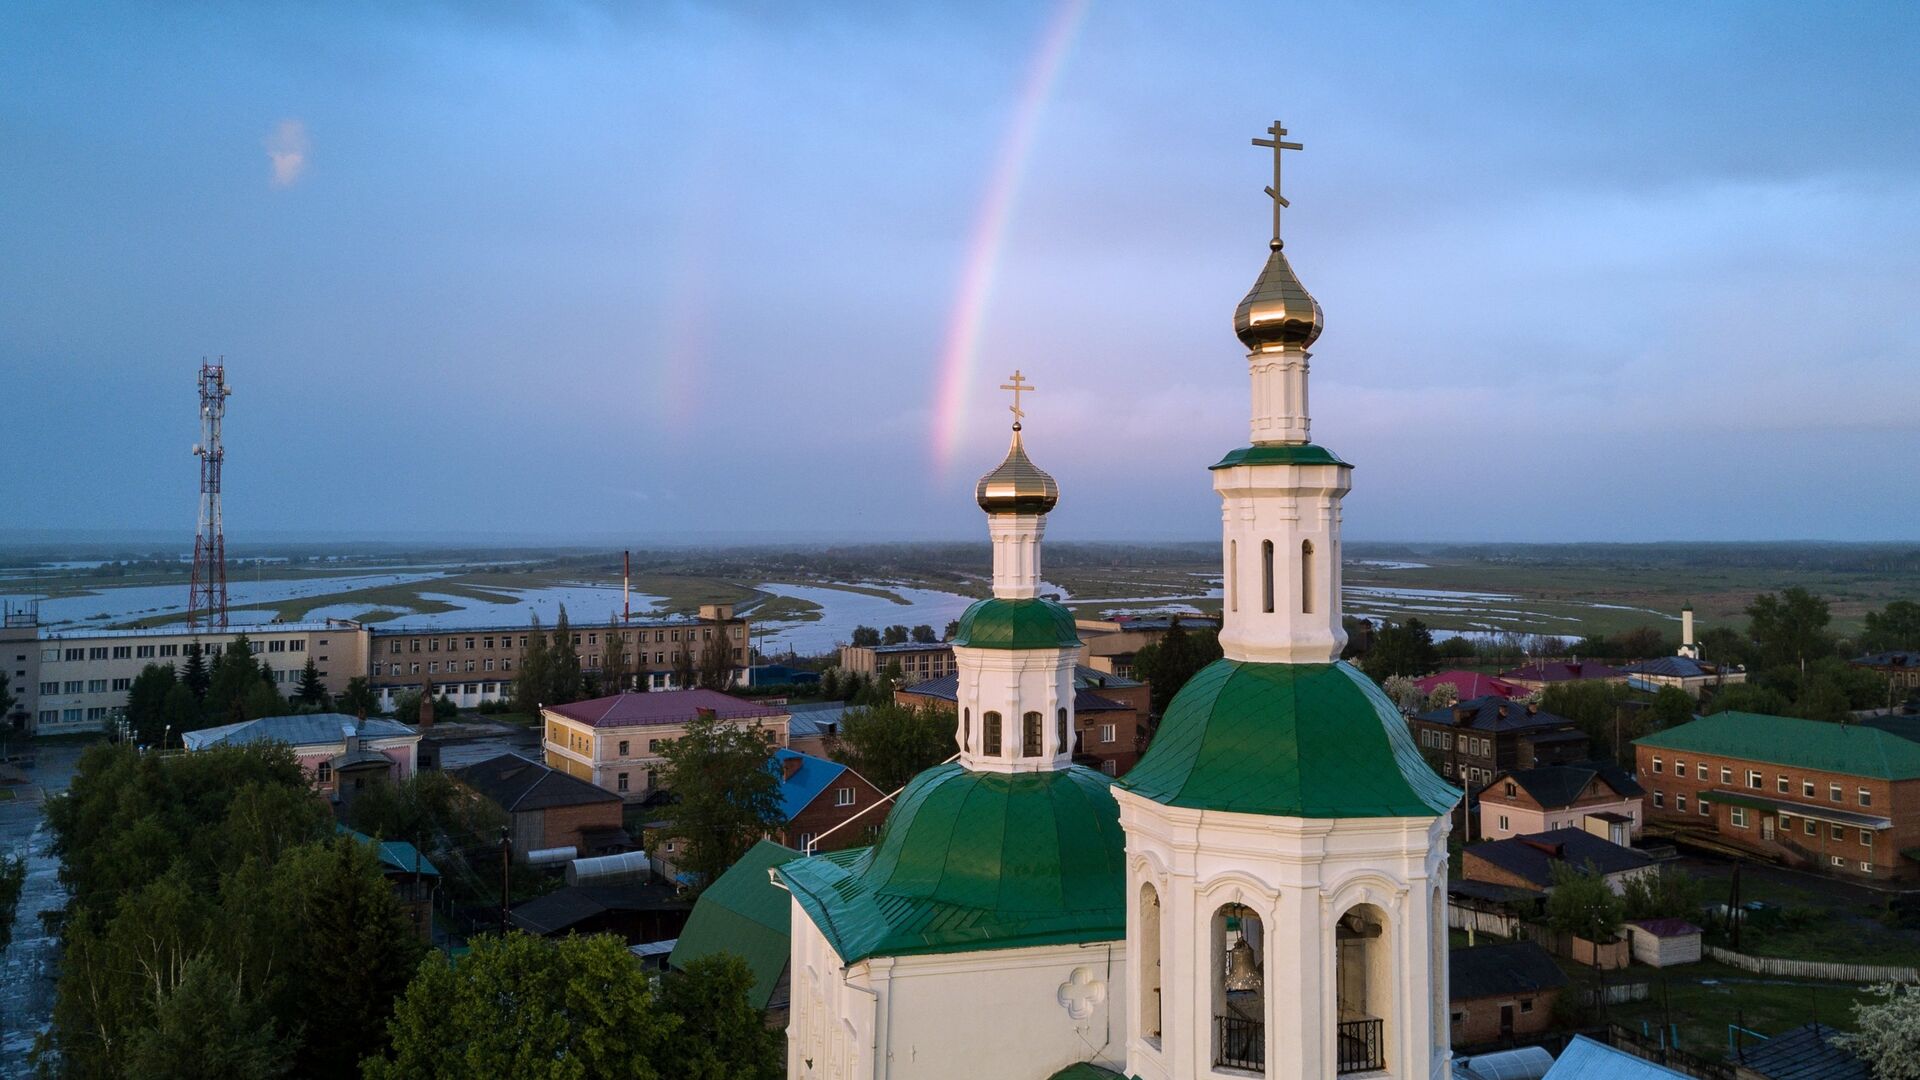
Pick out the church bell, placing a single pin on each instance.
(1242, 973)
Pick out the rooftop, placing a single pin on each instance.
(1673, 667)
(1492, 712)
(1523, 967)
(1533, 855)
(571, 905)
(743, 912)
(1563, 671)
(1584, 1059)
(814, 718)
(518, 784)
(1556, 786)
(304, 729)
(811, 776)
(1814, 745)
(1666, 928)
(1802, 1053)
(663, 707)
(1894, 658)
(248, 629)
(1471, 684)
(392, 629)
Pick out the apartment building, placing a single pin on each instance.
(1844, 798)
(77, 680)
(617, 742)
(1471, 741)
(918, 661)
(477, 664)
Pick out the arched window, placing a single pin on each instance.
(990, 732)
(966, 727)
(1150, 1008)
(1363, 989)
(1066, 747)
(1233, 575)
(1306, 576)
(1266, 575)
(1239, 1017)
(1031, 733)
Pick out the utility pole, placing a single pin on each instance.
(207, 593)
(506, 880)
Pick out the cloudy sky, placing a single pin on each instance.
(1590, 272)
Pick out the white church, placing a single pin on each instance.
(1263, 895)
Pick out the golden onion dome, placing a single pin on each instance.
(1278, 310)
(1017, 486)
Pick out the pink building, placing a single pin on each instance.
(339, 753)
(1597, 798)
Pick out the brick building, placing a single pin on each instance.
(548, 808)
(1901, 668)
(1110, 713)
(1472, 740)
(826, 803)
(1500, 992)
(1528, 862)
(478, 664)
(1839, 797)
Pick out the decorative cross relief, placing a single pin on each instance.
(1081, 993)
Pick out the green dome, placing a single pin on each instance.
(976, 860)
(1016, 624)
(1289, 740)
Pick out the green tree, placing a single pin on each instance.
(720, 1035)
(894, 635)
(536, 666)
(1789, 628)
(716, 663)
(359, 698)
(685, 674)
(1724, 645)
(147, 702)
(420, 808)
(953, 627)
(890, 744)
(231, 683)
(830, 684)
(868, 636)
(564, 681)
(615, 672)
(1400, 649)
(923, 634)
(1896, 626)
(524, 1007)
(1667, 894)
(1179, 655)
(13, 878)
(1749, 698)
(728, 797)
(6, 695)
(195, 674)
(263, 700)
(311, 691)
(1456, 648)
(180, 714)
(1583, 905)
(208, 1027)
(1599, 709)
(1888, 1035)
(1672, 707)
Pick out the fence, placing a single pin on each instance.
(1619, 993)
(1640, 1046)
(1814, 969)
(1497, 923)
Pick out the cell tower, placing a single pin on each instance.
(207, 601)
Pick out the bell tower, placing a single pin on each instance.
(1286, 842)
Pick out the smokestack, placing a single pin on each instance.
(626, 586)
(1686, 625)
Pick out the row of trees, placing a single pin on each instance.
(901, 635)
(164, 700)
(552, 672)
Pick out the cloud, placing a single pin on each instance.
(287, 148)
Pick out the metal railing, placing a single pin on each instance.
(1240, 1043)
(1362, 1045)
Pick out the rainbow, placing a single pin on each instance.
(959, 354)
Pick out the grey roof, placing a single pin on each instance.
(1894, 658)
(813, 718)
(1523, 967)
(911, 646)
(1673, 667)
(1803, 1053)
(1584, 1059)
(1494, 713)
(1487, 890)
(307, 729)
(1555, 786)
(1532, 856)
(518, 784)
(572, 905)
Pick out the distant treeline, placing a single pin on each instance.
(1861, 558)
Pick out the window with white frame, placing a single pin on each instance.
(1738, 817)
(1656, 765)
(1107, 733)
(843, 796)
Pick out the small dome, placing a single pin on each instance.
(1278, 310)
(1017, 486)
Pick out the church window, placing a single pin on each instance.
(1233, 575)
(966, 727)
(325, 772)
(1150, 1009)
(1061, 733)
(1363, 988)
(1030, 734)
(1239, 1017)
(1306, 576)
(990, 733)
(1266, 575)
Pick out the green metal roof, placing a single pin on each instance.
(1816, 745)
(1016, 624)
(975, 860)
(744, 913)
(1280, 454)
(1290, 740)
(1086, 1070)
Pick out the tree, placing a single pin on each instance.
(1444, 695)
(894, 635)
(716, 663)
(1405, 693)
(685, 674)
(729, 797)
(1599, 709)
(868, 636)
(1672, 707)
(1790, 628)
(208, 1026)
(830, 684)
(13, 878)
(530, 686)
(564, 682)
(525, 1007)
(890, 744)
(1724, 645)
(1896, 626)
(1400, 649)
(1456, 648)
(231, 683)
(180, 713)
(615, 673)
(1888, 1039)
(1167, 664)
(420, 807)
(6, 694)
(195, 674)
(1582, 904)
(147, 702)
(359, 698)
(1667, 894)
(953, 627)
(721, 1035)
(923, 634)
(311, 692)
(1748, 698)
(1639, 643)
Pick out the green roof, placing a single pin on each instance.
(1816, 745)
(744, 913)
(970, 861)
(1290, 740)
(1086, 1071)
(1016, 624)
(1282, 454)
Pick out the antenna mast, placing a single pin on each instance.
(207, 598)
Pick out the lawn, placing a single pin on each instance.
(1811, 918)
(1704, 999)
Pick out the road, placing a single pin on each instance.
(30, 966)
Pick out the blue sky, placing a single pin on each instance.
(1590, 272)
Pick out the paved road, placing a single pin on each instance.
(30, 966)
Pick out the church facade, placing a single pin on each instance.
(1262, 895)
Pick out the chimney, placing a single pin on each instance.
(1463, 713)
(1503, 710)
(1686, 625)
(789, 766)
(1533, 708)
(1558, 851)
(426, 705)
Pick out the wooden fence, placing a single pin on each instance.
(1481, 921)
(1814, 969)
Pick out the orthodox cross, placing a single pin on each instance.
(1277, 144)
(1019, 386)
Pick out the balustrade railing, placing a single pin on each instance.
(1362, 1045)
(1240, 1043)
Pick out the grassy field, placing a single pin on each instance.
(1704, 999)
